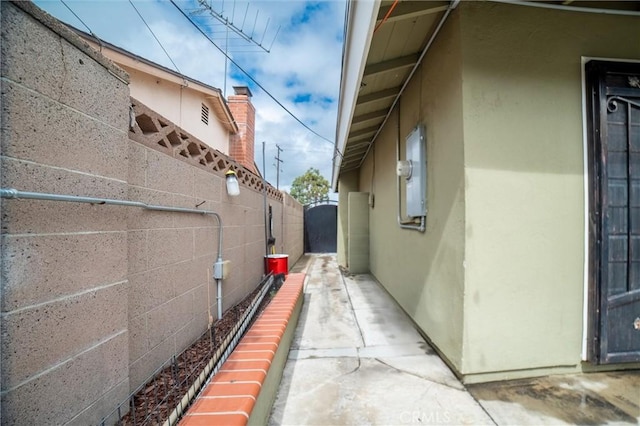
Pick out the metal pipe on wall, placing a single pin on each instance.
(264, 203)
(11, 193)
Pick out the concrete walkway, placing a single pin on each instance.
(356, 359)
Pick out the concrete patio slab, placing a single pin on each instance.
(357, 359)
(386, 326)
(352, 391)
(327, 319)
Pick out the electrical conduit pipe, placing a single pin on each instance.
(11, 193)
(401, 222)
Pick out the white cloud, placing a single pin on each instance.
(303, 64)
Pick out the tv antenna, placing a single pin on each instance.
(223, 25)
(240, 31)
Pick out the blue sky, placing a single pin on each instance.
(302, 69)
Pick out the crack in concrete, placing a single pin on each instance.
(355, 369)
(64, 74)
(355, 317)
(483, 408)
(461, 389)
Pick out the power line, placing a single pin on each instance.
(154, 36)
(335, 148)
(82, 22)
(252, 79)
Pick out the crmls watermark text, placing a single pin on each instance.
(426, 417)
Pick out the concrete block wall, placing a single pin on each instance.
(246, 246)
(294, 227)
(95, 298)
(171, 256)
(64, 350)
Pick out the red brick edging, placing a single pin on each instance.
(231, 395)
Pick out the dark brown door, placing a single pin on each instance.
(614, 121)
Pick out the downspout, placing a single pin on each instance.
(11, 193)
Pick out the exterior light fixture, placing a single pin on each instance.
(233, 188)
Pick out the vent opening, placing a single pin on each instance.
(205, 114)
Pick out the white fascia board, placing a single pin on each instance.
(361, 21)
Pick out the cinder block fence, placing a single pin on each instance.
(95, 297)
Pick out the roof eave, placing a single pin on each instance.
(221, 108)
(361, 20)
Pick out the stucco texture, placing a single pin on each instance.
(524, 179)
(496, 282)
(424, 272)
(182, 105)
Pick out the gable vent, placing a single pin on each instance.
(205, 114)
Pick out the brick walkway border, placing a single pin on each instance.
(244, 389)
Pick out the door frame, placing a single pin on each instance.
(592, 293)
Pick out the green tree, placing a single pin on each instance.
(311, 187)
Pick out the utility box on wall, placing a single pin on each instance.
(417, 179)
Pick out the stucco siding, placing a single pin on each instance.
(424, 271)
(347, 183)
(181, 105)
(524, 174)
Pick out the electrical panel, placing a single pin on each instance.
(416, 188)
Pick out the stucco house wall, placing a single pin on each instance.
(349, 182)
(182, 105)
(425, 272)
(94, 297)
(524, 154)
(173, 95)
(497, 280)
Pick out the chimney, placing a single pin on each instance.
(241, 145)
